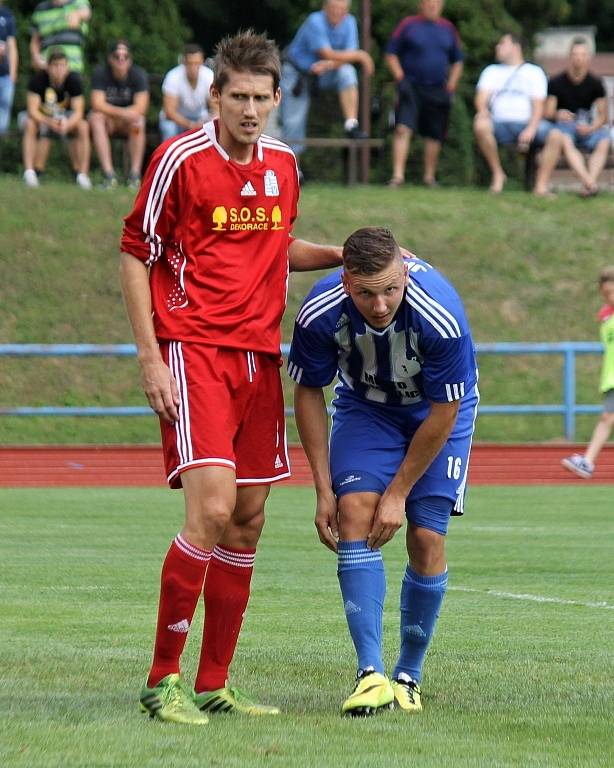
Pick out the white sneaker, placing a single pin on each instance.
(83, 181)
(30, 178)
(579, 466)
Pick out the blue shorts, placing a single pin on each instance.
(507, 132)
(588, 143)
(369, 441)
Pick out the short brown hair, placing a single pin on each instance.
(189, 49)
(369, 250)
(56, 55)
(246, 52)
(606, 275)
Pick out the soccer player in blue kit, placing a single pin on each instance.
(394, 332)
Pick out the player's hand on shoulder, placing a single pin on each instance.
(326, 520)
(389, 517)
(407, 254)
(161, 389)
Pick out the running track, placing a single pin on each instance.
(47, 466)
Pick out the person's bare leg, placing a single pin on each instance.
(136, 147)
(348, 101)
(597, 160)
(601, 435)
(28, 144)
(102, 143)
(401, 141)
(575, 161)
(547, 162)
(432, 149)
(485, 137)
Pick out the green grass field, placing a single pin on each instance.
(519, 674)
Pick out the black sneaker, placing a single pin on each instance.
(355, 133)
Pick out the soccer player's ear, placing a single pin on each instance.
(346, 285)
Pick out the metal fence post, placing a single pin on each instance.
(569, 392)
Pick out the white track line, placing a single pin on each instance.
(533, 598)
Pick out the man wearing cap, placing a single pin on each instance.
(120, 98)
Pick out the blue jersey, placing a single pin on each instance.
(316, 33)
(425, 354)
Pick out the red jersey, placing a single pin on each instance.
(216, 235)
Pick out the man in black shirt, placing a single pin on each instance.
(577, 104)
(56, 109)
(120, 98)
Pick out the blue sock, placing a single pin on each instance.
(363, 587)
(421, 598)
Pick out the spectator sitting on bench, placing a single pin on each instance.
(56, 110)
(321, 55)
(120, 98)
(574, 96)
(185, 89)
(509, 102)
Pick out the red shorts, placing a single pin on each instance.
(231, 414)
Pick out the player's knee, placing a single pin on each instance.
(608, 418)
(426, 550)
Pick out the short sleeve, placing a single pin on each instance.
(169, 84)
(99, 81)
(312, 360)
(141, 80)
(74, 85)
(316, 34)
(448, 368)
(10, 26)
(539, 84)
(456, 50)
(351, 42)
(149, 226)
(486, 81)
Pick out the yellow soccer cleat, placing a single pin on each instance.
(373, 693)
(171, 701)
(407, 694)
(230, 699)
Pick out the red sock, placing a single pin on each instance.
(181, 583)
(226, 594)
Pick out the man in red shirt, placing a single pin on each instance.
(204, 269)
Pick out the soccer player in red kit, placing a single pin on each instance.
(204, 268)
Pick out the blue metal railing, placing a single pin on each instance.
(569, 409)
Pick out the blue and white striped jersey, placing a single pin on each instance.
(426, 353)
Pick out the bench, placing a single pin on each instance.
(352, 150)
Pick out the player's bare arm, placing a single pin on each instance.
(428, 440)
(158, 382)
(312, 424)
(304, 256)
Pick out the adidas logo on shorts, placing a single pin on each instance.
(181, 626)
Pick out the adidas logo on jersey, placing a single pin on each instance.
(181, 626)
(248, 190)
(278, 462)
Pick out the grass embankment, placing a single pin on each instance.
(525, 267)
(519, 672)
